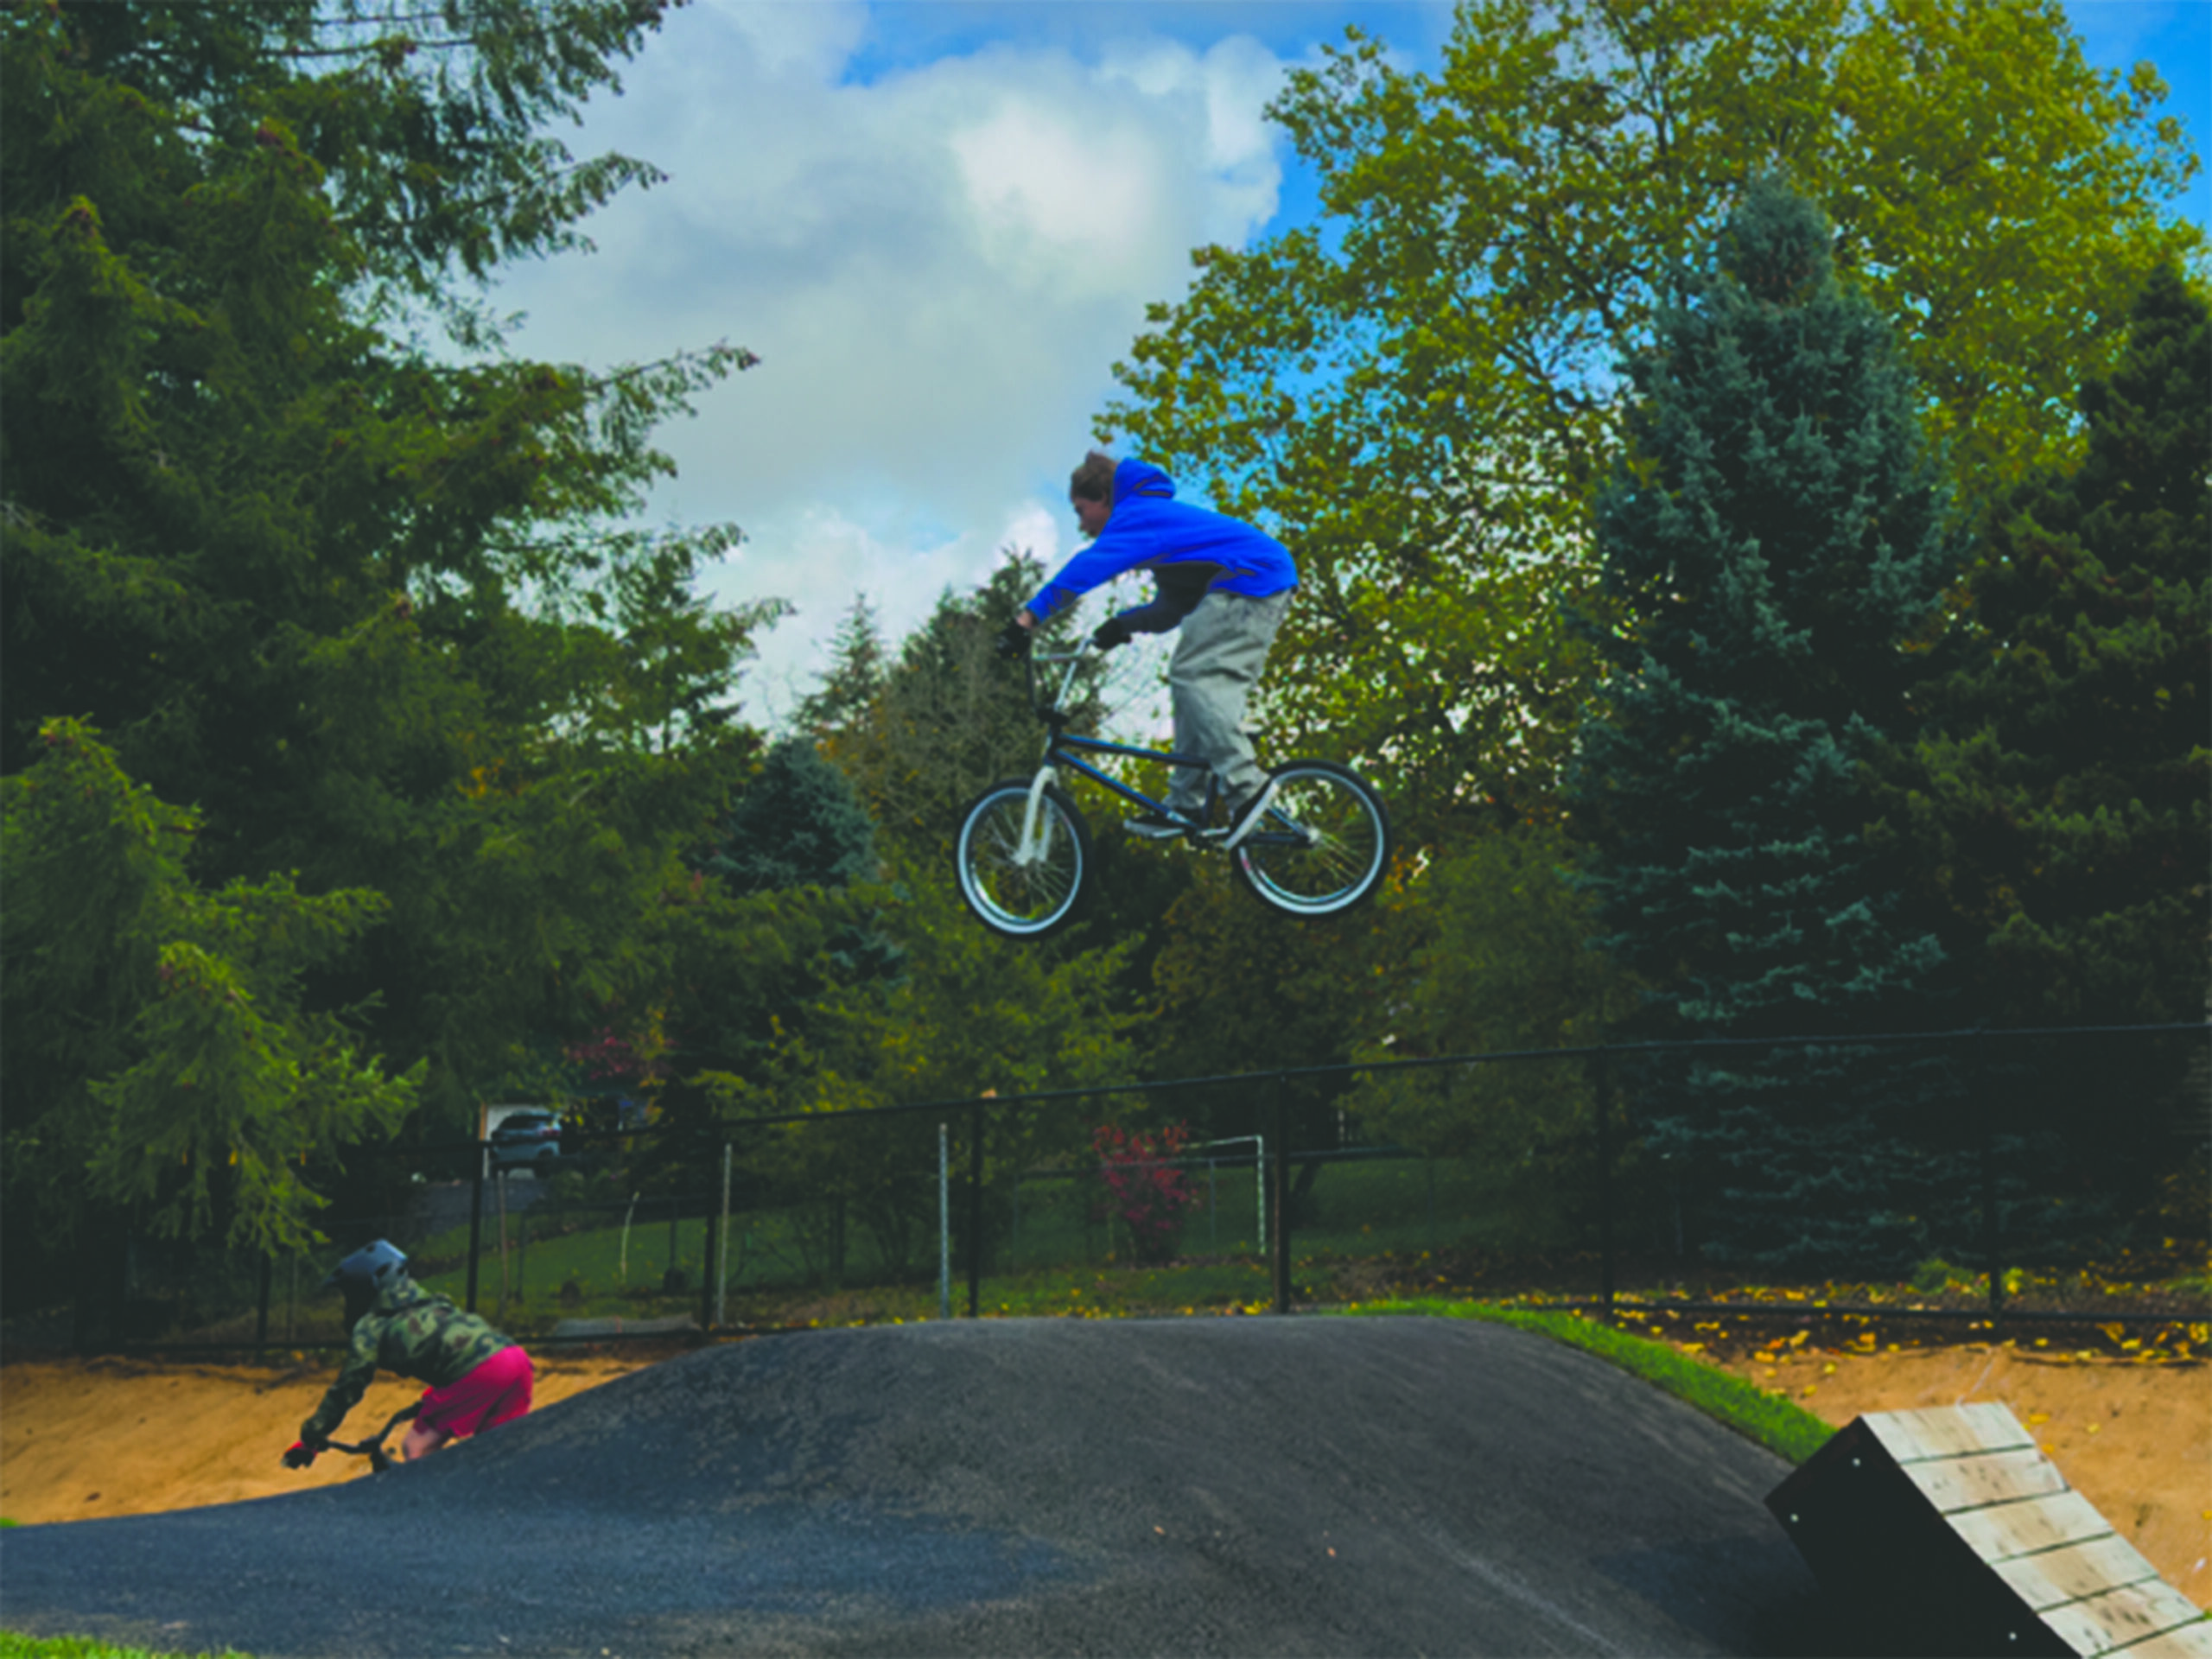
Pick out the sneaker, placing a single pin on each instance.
(1157, 826)
(1244, 816)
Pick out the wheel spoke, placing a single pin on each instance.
(1324, 846)
(1022, 897)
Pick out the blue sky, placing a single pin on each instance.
(939, 222)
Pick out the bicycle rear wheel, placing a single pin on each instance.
(1022, 898)
(1324, 845)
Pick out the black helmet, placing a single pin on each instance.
(367, 1273)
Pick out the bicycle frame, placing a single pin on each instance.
(1062, 748)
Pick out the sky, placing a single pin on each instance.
(939, 224)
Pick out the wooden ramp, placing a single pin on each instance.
(1952, 1530)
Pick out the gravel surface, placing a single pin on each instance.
(1234, 1486)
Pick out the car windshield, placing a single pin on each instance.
(525, 1121)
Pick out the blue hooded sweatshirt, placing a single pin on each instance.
(1151, 531)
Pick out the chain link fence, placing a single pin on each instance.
(2019, 1177)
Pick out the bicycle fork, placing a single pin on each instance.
(1036, 828)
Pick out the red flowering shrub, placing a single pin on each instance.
(1148, 1194)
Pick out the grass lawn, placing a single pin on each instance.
(1051, 1237)
(1774, 1423)
(13, 1646)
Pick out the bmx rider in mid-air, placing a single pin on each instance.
(478, 1378)
(1223, 583)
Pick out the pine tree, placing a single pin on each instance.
(2056, 807)
(858, 661)
(798, 824)
(375, 612)
(1775, 544)
(949, 718)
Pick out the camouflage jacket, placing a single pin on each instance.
(412, 1333)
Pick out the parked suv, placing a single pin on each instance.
(528, 1140)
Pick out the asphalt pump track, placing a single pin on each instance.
(1248, 1485)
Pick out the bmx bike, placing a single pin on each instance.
(1024, 854)
(372, 1448)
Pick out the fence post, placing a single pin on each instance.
(944, 1223)
(975, 1207)
(1989, 1223)
(1603, 1065)
(1279, 1195)
(707, 1275)
(722, 1248)
(500, 1189)
(475, 1222)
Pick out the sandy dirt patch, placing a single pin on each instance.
(2134, 1437)
(82, 1438)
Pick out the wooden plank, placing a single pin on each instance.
(2054, 1576)
(2004, 1530)
(1948, 1431)
(1989, 1477)
(2189, 1642)
(2132, 1613)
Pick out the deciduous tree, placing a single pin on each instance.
(1419, 391)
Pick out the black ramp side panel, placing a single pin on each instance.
(1232, 1486)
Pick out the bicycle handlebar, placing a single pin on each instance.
(300, 1455)
(1047, 708)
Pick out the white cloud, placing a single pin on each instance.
(937, 266)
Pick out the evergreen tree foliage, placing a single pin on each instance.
(1777, 543)
(2056, 806)
(159, 1042)
(379, 614)
(797, 824)
(2060, 797)
(858, 661)
(948, 719)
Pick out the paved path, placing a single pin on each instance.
(1202, 1486)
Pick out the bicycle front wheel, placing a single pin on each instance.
(1022, 891)
(1324, 845)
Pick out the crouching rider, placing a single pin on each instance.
(478, 1378)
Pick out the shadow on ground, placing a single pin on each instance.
(1234, 1486)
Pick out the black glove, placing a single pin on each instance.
(1114, 631)
(1013, 641)
(299, 1454)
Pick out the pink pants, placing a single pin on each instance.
(482, 1398)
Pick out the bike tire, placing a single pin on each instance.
(1022, 901)
(1324, 845)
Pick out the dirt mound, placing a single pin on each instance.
(1290, 1486)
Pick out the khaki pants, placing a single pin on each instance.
(1221, 648)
